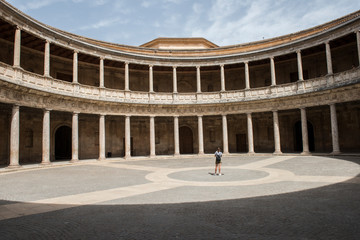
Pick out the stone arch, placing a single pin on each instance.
(63, 143)
(186, 140)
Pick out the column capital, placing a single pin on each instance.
(246, 62)
(47, 41)
(76, 112)
(298, 51)
(150, 66)
(47, 109)
(272, 57)
(126, 63)
(76, 51)
(18, 27)
(102, 114)
(200, 115)
(102, 58)
(198, 67)
(174, 67)
(222, 65)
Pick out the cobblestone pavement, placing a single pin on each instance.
(258, 197)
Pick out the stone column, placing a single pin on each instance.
(127, 76)
(151, 79)
(276, 133)
(174, 80)
(225, 135)
(152, 137)
(46, 138)
(201, 135)
(17, 47)
(304, 131)
(334, 130)
(75, 67)
(273, 74)
(101, 77)
(250, 133)
(222, 77)
(299, 63)
(328, 58)
(198, 79)
(247, 78)
(47, 59)
(14, 137)
(102, 137)
(358, 44)
(176, 135)
(75, 137)
(127, 138)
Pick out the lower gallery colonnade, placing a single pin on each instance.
(224, 142)
(65, 97)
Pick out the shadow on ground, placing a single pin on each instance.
(331, 212)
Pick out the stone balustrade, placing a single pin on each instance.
(30, 80)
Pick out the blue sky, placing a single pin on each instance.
(223, 22)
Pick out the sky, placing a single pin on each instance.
(223, 22)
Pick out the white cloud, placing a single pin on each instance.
(232, 22)
(36, 4)
(104, 23)
(146, 4)
(100, 2)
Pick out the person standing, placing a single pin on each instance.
(218, 155)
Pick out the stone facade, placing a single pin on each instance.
(65, 97)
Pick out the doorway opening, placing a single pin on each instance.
(63, 142)
(186, 140)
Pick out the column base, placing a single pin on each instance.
(14, 166)
(251, 153)
(335, 153)
(152, 155)
(45, 163)
(305, 153)
(74, 160)
(277, 152)
(101, 159)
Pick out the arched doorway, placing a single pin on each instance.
(298, 137)
(63, 143)
(186, 140)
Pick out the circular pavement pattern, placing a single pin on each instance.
(158, 181)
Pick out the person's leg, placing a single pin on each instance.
(219, 168)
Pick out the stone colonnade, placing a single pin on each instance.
(15, 135)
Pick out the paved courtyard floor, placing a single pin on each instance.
(258, 197)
